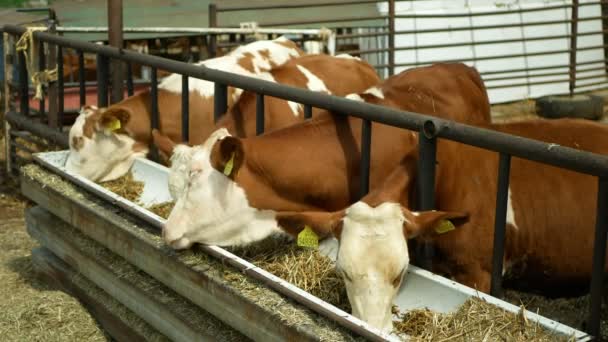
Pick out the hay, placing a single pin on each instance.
(162, 209)
(475, 320)
(126, 187)
(303, 267)
(131, 189)
(30, 310)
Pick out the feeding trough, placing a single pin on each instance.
(420, 289)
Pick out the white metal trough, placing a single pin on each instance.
(419, 290)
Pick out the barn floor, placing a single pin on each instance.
(31, 310)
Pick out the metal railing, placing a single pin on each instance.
(429, 128)
(382, 57)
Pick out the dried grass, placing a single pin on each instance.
(304, 267)
(475, 320)
(131, 189)
(162, 209)
(30, 310)
(126, 187)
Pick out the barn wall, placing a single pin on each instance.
(425, 56)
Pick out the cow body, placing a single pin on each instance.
(313, 165)
(550, 216)
(550, 219)
(98, 133)
(337, 75)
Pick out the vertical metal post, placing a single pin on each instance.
(220, 100)
(599, 257)
(82, 91)
(426, 185)
(60, 88)
(102, 80)
(54, 62)
(41, 67)
(391, 37)
(9, 60)
(573, 37)
(129, 79)
(115, 39)
(212, 47)
(502, 198)
(154, 118)
(24, 96)
(185, 109)
(366, 141)
(307, 111)
(259, 114)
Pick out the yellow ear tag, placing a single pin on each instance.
(444, 226)
(308, 238)
(229, 165)
(113, 125)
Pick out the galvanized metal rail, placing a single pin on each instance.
(430, 128)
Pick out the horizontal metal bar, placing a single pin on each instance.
(487, 13)
(543, 74)
(551, 154)
(543, 82)
(578, 86)
(361, 35)
(493, 72)
(485, 58)
(292, 5)
(487, 27)
(22, 147)
(41, 130)
(471, 43)
(202, 30)
(329, 20)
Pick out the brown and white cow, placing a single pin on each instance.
(104, 142)
(232, 191)
(313, 165)
(550, 220)
(452, 91)
(338, 75)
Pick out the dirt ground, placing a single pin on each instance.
(32, 311)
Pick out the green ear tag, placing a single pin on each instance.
(444, 226)
(229, 165)
(308, 238)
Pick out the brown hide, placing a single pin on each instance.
(554, 210)
(315, 165)
(341, 76)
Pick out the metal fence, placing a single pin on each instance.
(429, 128)
(391, 49)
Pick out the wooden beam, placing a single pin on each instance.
(170, 314)
(245, 304)
(113, 317)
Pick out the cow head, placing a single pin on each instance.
(210, 207)
(373, 254)
(100, 147)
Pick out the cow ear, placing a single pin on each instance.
(227, 156)
(430, 222)
(164, 144)
(321, 222)
(115, 119)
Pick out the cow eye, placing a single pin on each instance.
(397, 280)
(194, 173)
